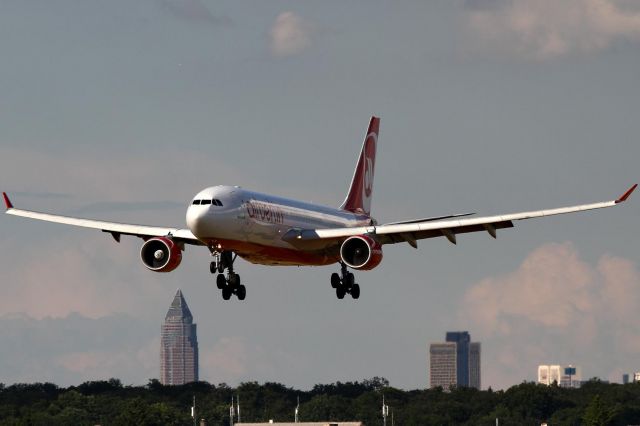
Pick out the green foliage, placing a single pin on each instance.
(111, 403)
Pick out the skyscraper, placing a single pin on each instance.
(474, 365)
(462, 341)
(179, 345)
(455, 362)
(442, 362)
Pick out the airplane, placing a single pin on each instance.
(265, 229)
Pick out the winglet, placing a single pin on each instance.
(626, 195)
(7, 202)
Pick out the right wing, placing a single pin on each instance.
(411, 232)
(116, 229)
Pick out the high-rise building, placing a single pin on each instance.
(455, 362)
(474, 365)
(462, 341)
(179, 345)
(442, 363)
(565, 376)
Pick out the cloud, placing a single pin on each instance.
(92, 276)
(542, 29)
(235, 359)
(556, 308)
(290, 34)
(74, 349)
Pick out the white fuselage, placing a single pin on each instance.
(253, 224)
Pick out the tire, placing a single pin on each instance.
(242, 292)
(340, 292)
(349, 280)
(234, 280)
(335, 280)
(221, 281)
(226, 293)
(220, 268)
(213, 267)
(355, 291)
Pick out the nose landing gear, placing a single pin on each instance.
(344, 283)
(229, 284)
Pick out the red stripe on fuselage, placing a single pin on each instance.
(269, 255)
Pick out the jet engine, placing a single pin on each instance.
(361, 252)
(160, 254)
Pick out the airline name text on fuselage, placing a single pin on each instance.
(265, 212)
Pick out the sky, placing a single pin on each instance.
(124, 110)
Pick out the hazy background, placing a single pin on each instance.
(124, 110)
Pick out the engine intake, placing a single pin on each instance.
(160, 254)
(361, 252)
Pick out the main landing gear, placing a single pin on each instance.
(229, 284)
(345, 283)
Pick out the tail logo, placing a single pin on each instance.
(368, 177)
(369, 152)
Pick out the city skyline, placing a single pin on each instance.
(124, 110)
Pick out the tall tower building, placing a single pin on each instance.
(474, 365)
(179, 345)
(455, 362)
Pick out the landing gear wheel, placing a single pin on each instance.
(335, 280)
(355, 291)
(221, 282)
(220, 267)
(234, 280)
(226, 293)
(213, 267)
(340, 292)
(242, 292)
(349, 280)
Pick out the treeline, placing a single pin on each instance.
(111, 403)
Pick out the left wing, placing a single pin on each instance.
(114, 228)
(411, 232)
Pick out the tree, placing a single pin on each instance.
(597, 414)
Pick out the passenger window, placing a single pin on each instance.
(206, 202)
(196, 202)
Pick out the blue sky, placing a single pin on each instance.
(123, 111)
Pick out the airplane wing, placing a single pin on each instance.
(114, 228)
(411, 232)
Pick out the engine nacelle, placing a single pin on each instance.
(161, 254)
(361, 252)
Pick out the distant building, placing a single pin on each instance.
(455, 362)
(565, 376)
(625, 378)
(636, 377)
(272, 423)
(442, 365)
(179, 345)
(474, 365)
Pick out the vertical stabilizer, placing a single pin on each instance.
(361, 191)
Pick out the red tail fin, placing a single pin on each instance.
(360, 193)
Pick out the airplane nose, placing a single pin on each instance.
(196, 220)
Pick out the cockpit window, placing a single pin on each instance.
(216, 202)
(196, 202)
(206, 202)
